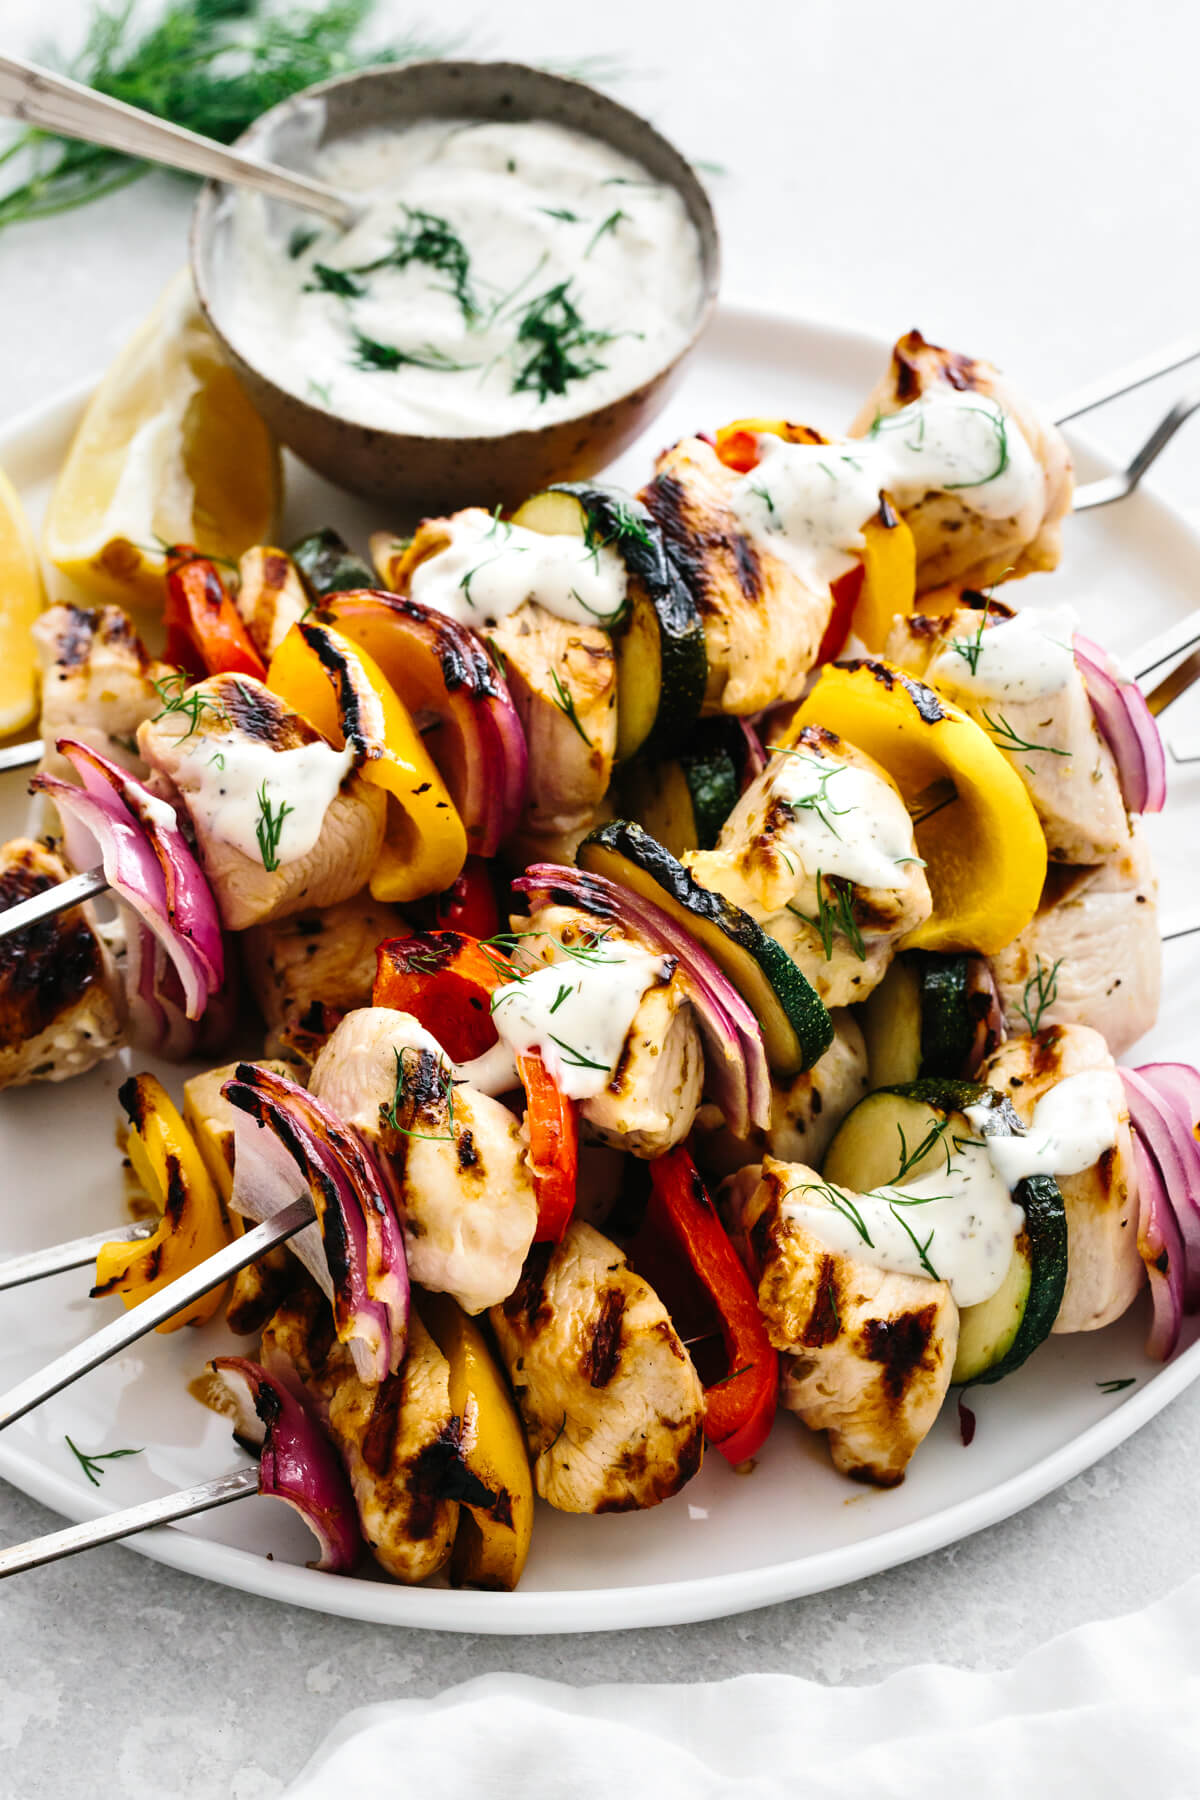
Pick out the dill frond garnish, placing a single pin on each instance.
(210, 65)
(1040, 992)
(269, 829)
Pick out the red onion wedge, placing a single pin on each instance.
(1168, 1174)
(736, 1072)
(986, 1012)
(1127, 726)
(148, 864)
(297, 1463)
(755, 757)
(289, 1140)
(445, 676)
(1167, 1101)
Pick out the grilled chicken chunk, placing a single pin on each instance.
(1091, 954)
(613, 1408)
(651, 1101)
(399, 1441)
(97, 684)
(954, 543)
(60, 1007)
(1104, 1268)
(1071, 776)
(563, 682)
(238, 714)
(455, 1159)
(774, 845)
(805, 1112)
(270, 597)
(308, 971)
(868, 1354)
(762, 625)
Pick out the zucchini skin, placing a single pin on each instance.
(657, 583)
(947, 1030)
(803, 1030)
(327, 565)
(1046, 1225)
(950, 1094)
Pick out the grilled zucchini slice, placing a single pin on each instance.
(328, 565)
(923, 1019)
(796, 1028)
(684, 800)
(995, 1337)
(662, 668)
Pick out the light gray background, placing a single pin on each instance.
(1020, 181)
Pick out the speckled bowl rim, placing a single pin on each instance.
(205, 217)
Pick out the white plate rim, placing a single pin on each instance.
(548, 1612)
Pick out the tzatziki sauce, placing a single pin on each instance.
(808, 503)
(1073, 1124)
(1028, 657)
(504, 276)
(490, 567)
(236, 792)
(844, 820)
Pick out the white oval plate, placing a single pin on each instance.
(728, 1543)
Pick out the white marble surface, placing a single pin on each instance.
(1020, 181)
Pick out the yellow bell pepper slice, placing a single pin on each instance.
(889, 576)
(975, 826)
(425, 844)
(195, 1223)
(490, 1546)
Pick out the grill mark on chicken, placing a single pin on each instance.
(957, 370)
(900, 1346)
(602, 1357)
(634, 1465)
(1047, 1050)
(749, 568)
(824, 1322)
(379, 1439)
(529, 1296)
(258, 713)
(468, 1156)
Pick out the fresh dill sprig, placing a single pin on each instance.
(212, 66)
(90, 1464)
(609, 224)
(401, 1097)
(910, 1158)
(839, 1200)
(922, 1249)
(427, 238)
(971, 649)
(999, 423)
(468, 578)
(269, 829)
(565, 702)
(575, 1059)
(334, 281)
(834, 916)
(1002, 733)
(563, 213)
(557, 342)
(819, 803)
(179, 700)
(764, 494)
(370, 354)
(564, 993)
(1118, 1385)
(1039, 993)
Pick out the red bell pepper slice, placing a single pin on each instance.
(446, 980)
(845, 591)
(205, 634)
(469, 904)
(680, 1217)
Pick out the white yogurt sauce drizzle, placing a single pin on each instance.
(1074, 1123)
(489, 568)
(809, 502)
(956, 1225)
(231, 788)
(1028, 657)
(844, 820)
(502, 276)
(959, 1223)
(576, 1015)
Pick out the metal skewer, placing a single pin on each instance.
(37, 1264)
(120, 1333)
(182, 1505)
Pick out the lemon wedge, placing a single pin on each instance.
(21, 600)
(169, 451)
